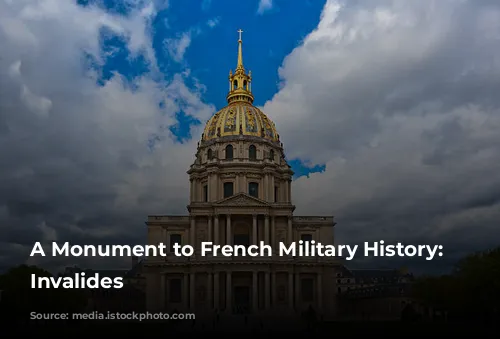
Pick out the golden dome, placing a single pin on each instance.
(240, 118)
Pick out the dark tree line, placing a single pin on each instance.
(19, 299)
(470, 293)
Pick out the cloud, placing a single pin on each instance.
(178, 46)
(213, 22)
(399, 101)
(85, 161)
(264, 6)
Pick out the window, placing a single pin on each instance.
(210, 154)
(245, 84)
(175, 290)
(205, 193)
(241, 239)
(307, 289)
(253, 189)
(271, 155)
(175, 239)
(235, 84)
(252, 152)
(228, 189)
(229, 152)
(276, 190)
(306, 237)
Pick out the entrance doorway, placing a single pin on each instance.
(241, 299)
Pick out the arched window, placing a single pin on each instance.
(271, 155)
(245, 84)
(210, 154)
(252, 152)
(235, 84)
(253, 189)
(228, 189)
(229, 152)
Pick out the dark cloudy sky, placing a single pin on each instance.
(389, 112)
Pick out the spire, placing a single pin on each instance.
(240, 88)
(240, 53)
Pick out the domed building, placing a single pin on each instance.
(240, 195)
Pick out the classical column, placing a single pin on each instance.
(163, 289)
(271, 188)
(209, 197)
(229, 297)
(254, 230)
(185, 291)
(290, 231)
(255, 295)
(297, 291)
(216, 229)
(216, 290)
(266, 229)
(273, 232)
(191, 195)
(319, 288)
(191, 290)
(290, 290)
(210, 290)
(164, 237)
(267, 290)
(192, 232)
(228, 230)
(210, 228)
(266, 185)
(273, 289)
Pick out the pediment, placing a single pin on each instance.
(241, 199)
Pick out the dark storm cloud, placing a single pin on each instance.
(399, 100)
(75, 162)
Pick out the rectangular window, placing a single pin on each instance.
(175, 290)
(306, 237)
(307, 289)
(175, 239)
(253, 189)
(276, 194)
(205, 193)
(228, 189)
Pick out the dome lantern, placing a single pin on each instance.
(240, 88)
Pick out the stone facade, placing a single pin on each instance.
(240, 195)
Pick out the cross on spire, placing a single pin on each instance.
(240, 31)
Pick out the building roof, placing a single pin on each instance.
(380, 291)
(240, 117)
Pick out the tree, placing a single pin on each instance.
(19, 299)
(471, 292)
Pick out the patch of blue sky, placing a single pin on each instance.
(211, 25)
